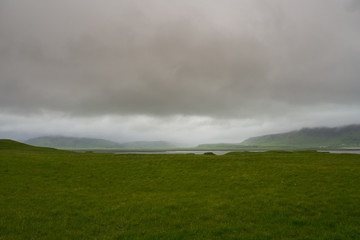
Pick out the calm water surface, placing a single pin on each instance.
(217, 152)
(176, 152)
(342, 151)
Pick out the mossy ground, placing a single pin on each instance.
(51, 194)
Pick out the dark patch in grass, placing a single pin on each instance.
(209, 153)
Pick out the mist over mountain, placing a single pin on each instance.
(317, 137)
(94, 143)
(147, 145)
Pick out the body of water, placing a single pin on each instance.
(175, 152)
(355, 151)
(341, 151)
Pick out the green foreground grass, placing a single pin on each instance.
(52, 194)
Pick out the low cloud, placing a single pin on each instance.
(222, 61)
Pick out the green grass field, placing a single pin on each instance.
(52, 194)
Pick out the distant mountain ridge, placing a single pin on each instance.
(94, 143)
(317, 137)
(147, 145)
(219, 146)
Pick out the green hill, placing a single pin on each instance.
(93, 143)
(315, 137)
(11, 145)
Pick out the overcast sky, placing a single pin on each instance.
(190, 71)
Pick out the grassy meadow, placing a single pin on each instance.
(53, 194)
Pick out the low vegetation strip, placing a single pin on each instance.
(52, 194)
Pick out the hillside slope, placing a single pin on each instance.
(11, 145)
(317, 137)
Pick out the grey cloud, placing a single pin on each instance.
(354, 5)
(209, 58)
